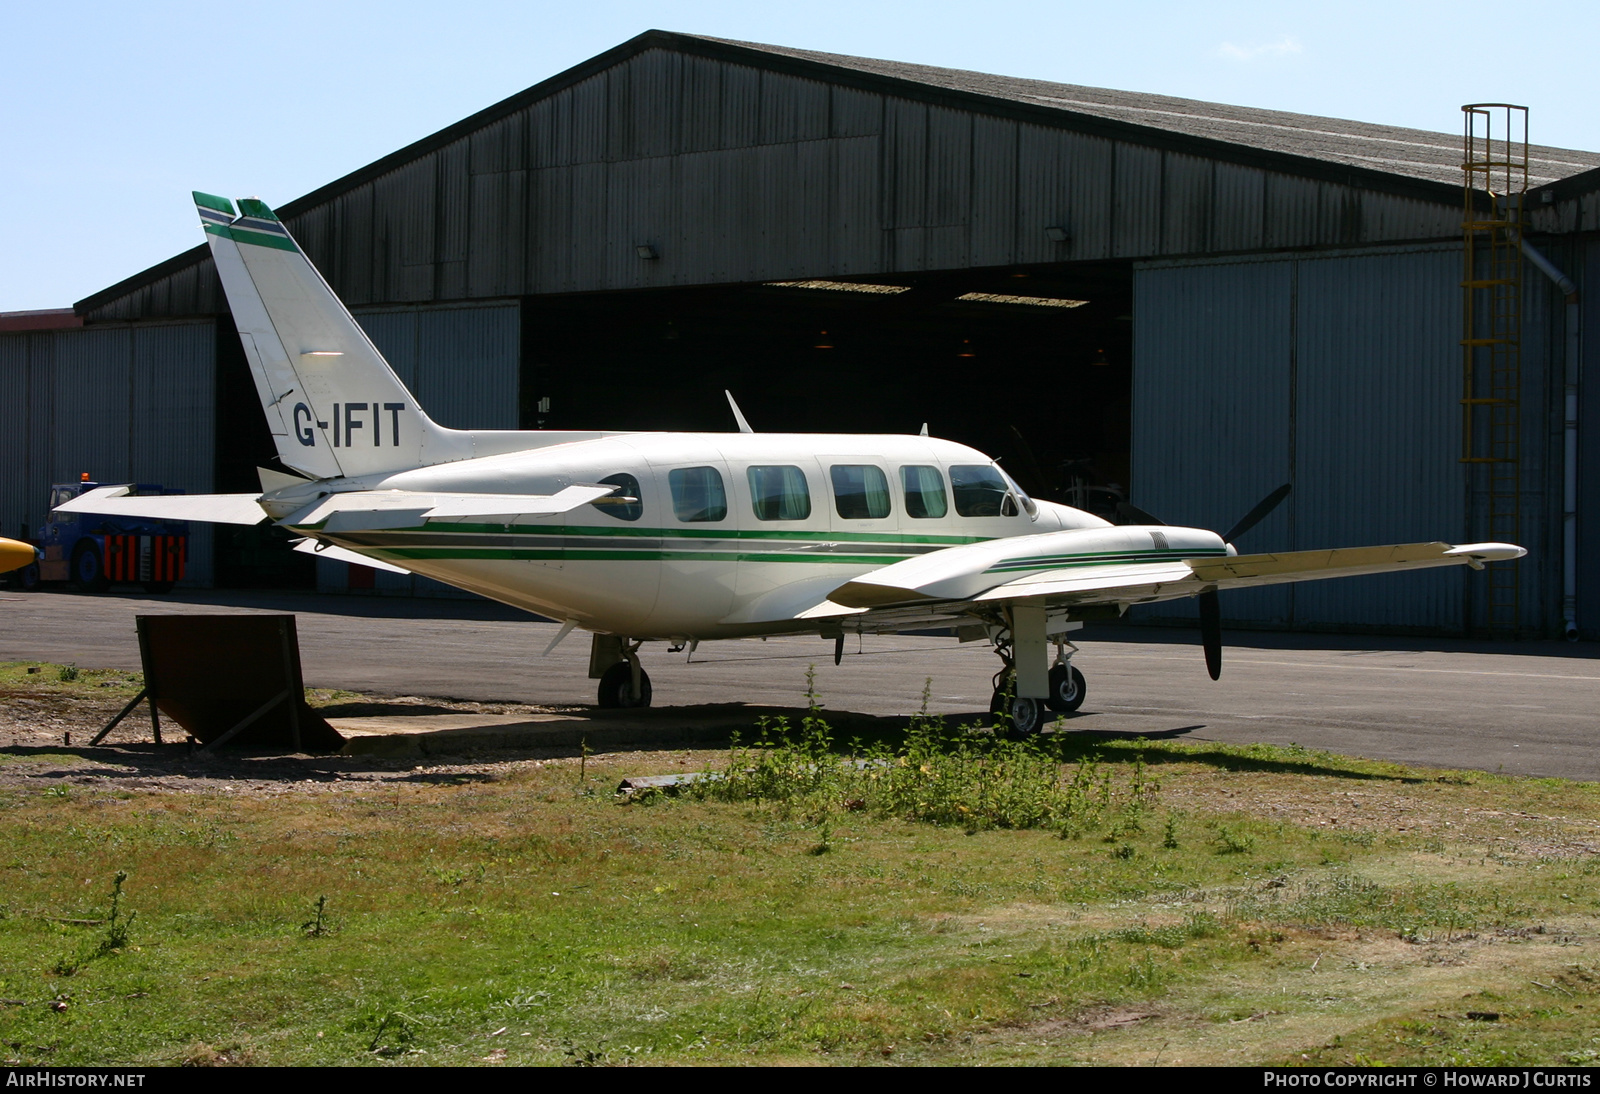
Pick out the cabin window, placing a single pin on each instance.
(925, 497)
(779, 493)
(981, 491)
(860, 491)
(627, 503)
(697, 493)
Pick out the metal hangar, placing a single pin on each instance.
(1179, 303)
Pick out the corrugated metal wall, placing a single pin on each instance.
(1342, 370)
(124, 403)
(462, 364)
(1587, 271)
(734, 173)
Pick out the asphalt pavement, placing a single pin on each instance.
(1528, 708)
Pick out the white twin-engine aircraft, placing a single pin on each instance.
(685, 537)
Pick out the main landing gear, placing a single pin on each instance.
(623, 683)
(1023, 703)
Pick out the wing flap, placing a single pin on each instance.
(115, 501)
(360, 510)
(341, 554)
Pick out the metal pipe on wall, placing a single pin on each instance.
(1569, 503)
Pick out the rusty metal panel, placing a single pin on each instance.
(1188, 197)
(1291, 211)
(858, 234)
(905, 165)
(1239, 198)
(638, 213)
(741, 106)
(461, 363)
(994, 191)
(792, 109)
(1086, 165)
(1378, 429)
(172, 426)
(1212, 390)
(1586, 271)
(41, 350)
(856, 113)
(453, 212)
(700, 107)
(949, 167)
(93, 400)
(1135, 201)
(579, 122)
(499, 235)
(15, 425)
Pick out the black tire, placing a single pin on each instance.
(25, 579)
(1067, 689)
(1017, 717)
(89, 570)
(616, 687)
(158, 588)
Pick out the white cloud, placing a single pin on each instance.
(1281, 48)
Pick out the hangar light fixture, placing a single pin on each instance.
(1031, 301)
(644, 250)
(1057, 234)
(840, 286)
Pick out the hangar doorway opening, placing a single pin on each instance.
(1032, 366)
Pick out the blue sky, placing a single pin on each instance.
(112, 113)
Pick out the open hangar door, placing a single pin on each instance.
(1031, 366)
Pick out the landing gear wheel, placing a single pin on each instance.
(88, 572)
(1067, 689)
(1019, 717)
(616, 687)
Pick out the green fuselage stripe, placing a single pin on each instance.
(259, 239)
(620, 555)
(1099, 558)
(873, 538)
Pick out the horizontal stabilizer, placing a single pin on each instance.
(468, 507)
(365, 509)
(340, 554)
(115, 501)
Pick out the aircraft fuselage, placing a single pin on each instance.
(731, 534)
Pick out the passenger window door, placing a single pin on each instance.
(860, 491)
(698, 494)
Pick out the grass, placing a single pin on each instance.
(1132, 902)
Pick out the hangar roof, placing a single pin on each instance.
(1414, 164)
(1416, 153)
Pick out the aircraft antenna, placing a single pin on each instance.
(738, 415)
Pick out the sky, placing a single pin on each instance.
(111, 113)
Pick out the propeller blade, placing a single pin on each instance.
(1038, 486)
(1211, 631)
(1258, 514)
(1129, 513)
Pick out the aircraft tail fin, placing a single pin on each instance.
(333, 405)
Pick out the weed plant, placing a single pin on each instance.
(969, 777)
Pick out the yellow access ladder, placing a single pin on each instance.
(1495, 166)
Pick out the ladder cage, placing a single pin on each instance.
(1495, 185)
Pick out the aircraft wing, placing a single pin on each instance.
(115, 501)
(1107, 569)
